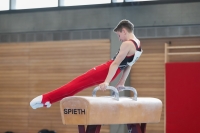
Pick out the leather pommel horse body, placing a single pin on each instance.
(96, 111)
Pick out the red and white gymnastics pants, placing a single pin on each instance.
(92, 77)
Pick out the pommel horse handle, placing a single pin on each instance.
(127, 88)
(131, 89)
(116, 93)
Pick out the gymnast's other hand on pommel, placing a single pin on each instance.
(103, 86)
(120, 87)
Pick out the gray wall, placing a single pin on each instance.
(151, 21)
(141, 16)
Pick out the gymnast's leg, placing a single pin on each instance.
(92, 77)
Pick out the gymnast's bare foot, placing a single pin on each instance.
(37, 103)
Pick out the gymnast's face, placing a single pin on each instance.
(122, 35)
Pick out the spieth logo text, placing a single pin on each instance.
(74, 111)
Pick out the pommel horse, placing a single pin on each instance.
(95, 111)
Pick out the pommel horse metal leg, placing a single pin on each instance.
(96, 111)
(132, 128)
(90, 129)
(136, 128)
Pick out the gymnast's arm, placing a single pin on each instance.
(124, 76)
(124, 49)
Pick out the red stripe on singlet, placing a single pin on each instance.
(136, 46)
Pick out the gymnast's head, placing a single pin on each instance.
(124, 30)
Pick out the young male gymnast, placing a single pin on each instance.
(130, 50)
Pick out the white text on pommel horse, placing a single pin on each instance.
(74, 111)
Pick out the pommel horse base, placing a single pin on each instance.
(94, 111)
